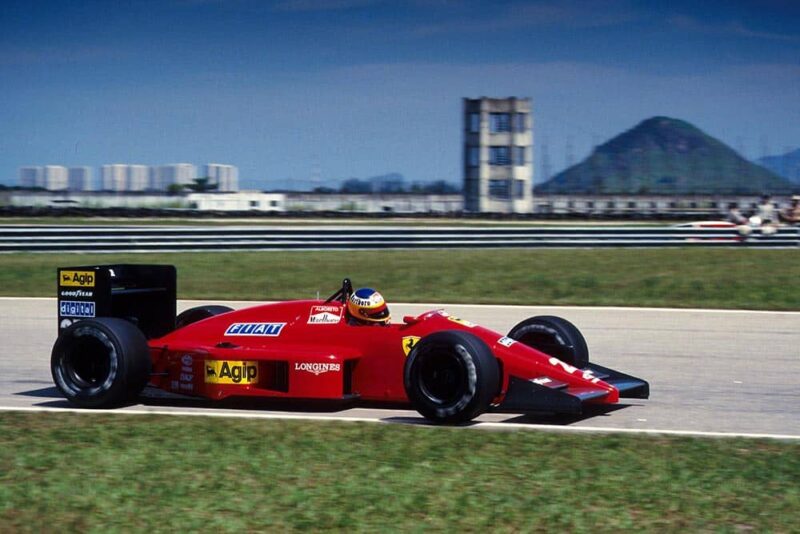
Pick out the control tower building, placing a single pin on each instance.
(498, 155)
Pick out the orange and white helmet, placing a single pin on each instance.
(366, 304)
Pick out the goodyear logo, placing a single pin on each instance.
(72, 308)
(231, 372)
(78, 293)
(255, 329)
(76, 278)
(409, 342)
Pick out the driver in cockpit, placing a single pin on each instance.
(367, 307)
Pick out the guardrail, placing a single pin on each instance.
(166, 239)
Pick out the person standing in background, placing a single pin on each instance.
(791, 214)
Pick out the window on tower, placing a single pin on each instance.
(519, 188)
(498, 189)
(499, 155)
(474, 122)
(473, 156)
(519, 122)
(519, 155)
(499, 122)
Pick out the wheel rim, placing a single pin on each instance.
(442, 377)
(89, 363)
(538, 335)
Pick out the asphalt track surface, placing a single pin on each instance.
(710, 372)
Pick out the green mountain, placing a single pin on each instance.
(665, 156)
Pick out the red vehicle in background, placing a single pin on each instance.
(118, 332)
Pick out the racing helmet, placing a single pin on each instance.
(366, 304)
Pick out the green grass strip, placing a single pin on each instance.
(71, 472)
(683, 278)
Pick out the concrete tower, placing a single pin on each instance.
(498, 155)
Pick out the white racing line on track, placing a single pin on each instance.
(349, 419)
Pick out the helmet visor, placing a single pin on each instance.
(375, 314)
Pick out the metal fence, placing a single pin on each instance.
(218, 238)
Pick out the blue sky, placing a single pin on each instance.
(295, 90)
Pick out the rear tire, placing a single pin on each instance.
(451, 377)
(192, 315)
(554, 336)
(101, 363)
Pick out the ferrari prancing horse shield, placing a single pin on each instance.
(409, 342)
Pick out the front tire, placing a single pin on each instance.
(101, 363)
(554, 336)
(451, 377)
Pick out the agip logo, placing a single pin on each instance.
(231, 372)
(76, 279)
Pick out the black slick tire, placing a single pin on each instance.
(451, 377)
(554, 336)
(101, 363)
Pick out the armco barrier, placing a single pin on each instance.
(172, 238)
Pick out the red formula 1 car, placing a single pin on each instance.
(118, 332)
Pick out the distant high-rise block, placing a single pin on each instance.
(54, 177)
(79, 179)
(114, 177)
(138, 177)
(50, 177)
(163, 176)
(498, 155)
(225, 177)
(30, 177)
(155, 182)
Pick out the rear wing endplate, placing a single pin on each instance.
(142, 294)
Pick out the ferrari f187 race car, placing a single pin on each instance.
(118, 332)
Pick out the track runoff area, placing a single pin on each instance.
(712, 373)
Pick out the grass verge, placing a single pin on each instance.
(708, 278)
(69, 472)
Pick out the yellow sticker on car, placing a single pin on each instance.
(409, 342)
(461, 321)
(231, 372)
(76, 278)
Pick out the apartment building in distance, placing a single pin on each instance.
(163, 176)
(79, 179)
(30, 177)
(225, 177)
(498, 155)
(123, 177)
(114, 177)
(50, 177)
(138, 178)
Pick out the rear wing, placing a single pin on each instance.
(142, 294)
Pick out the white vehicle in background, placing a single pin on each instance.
(744, 230)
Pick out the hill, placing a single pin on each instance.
(786, 165)
(662, 155)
